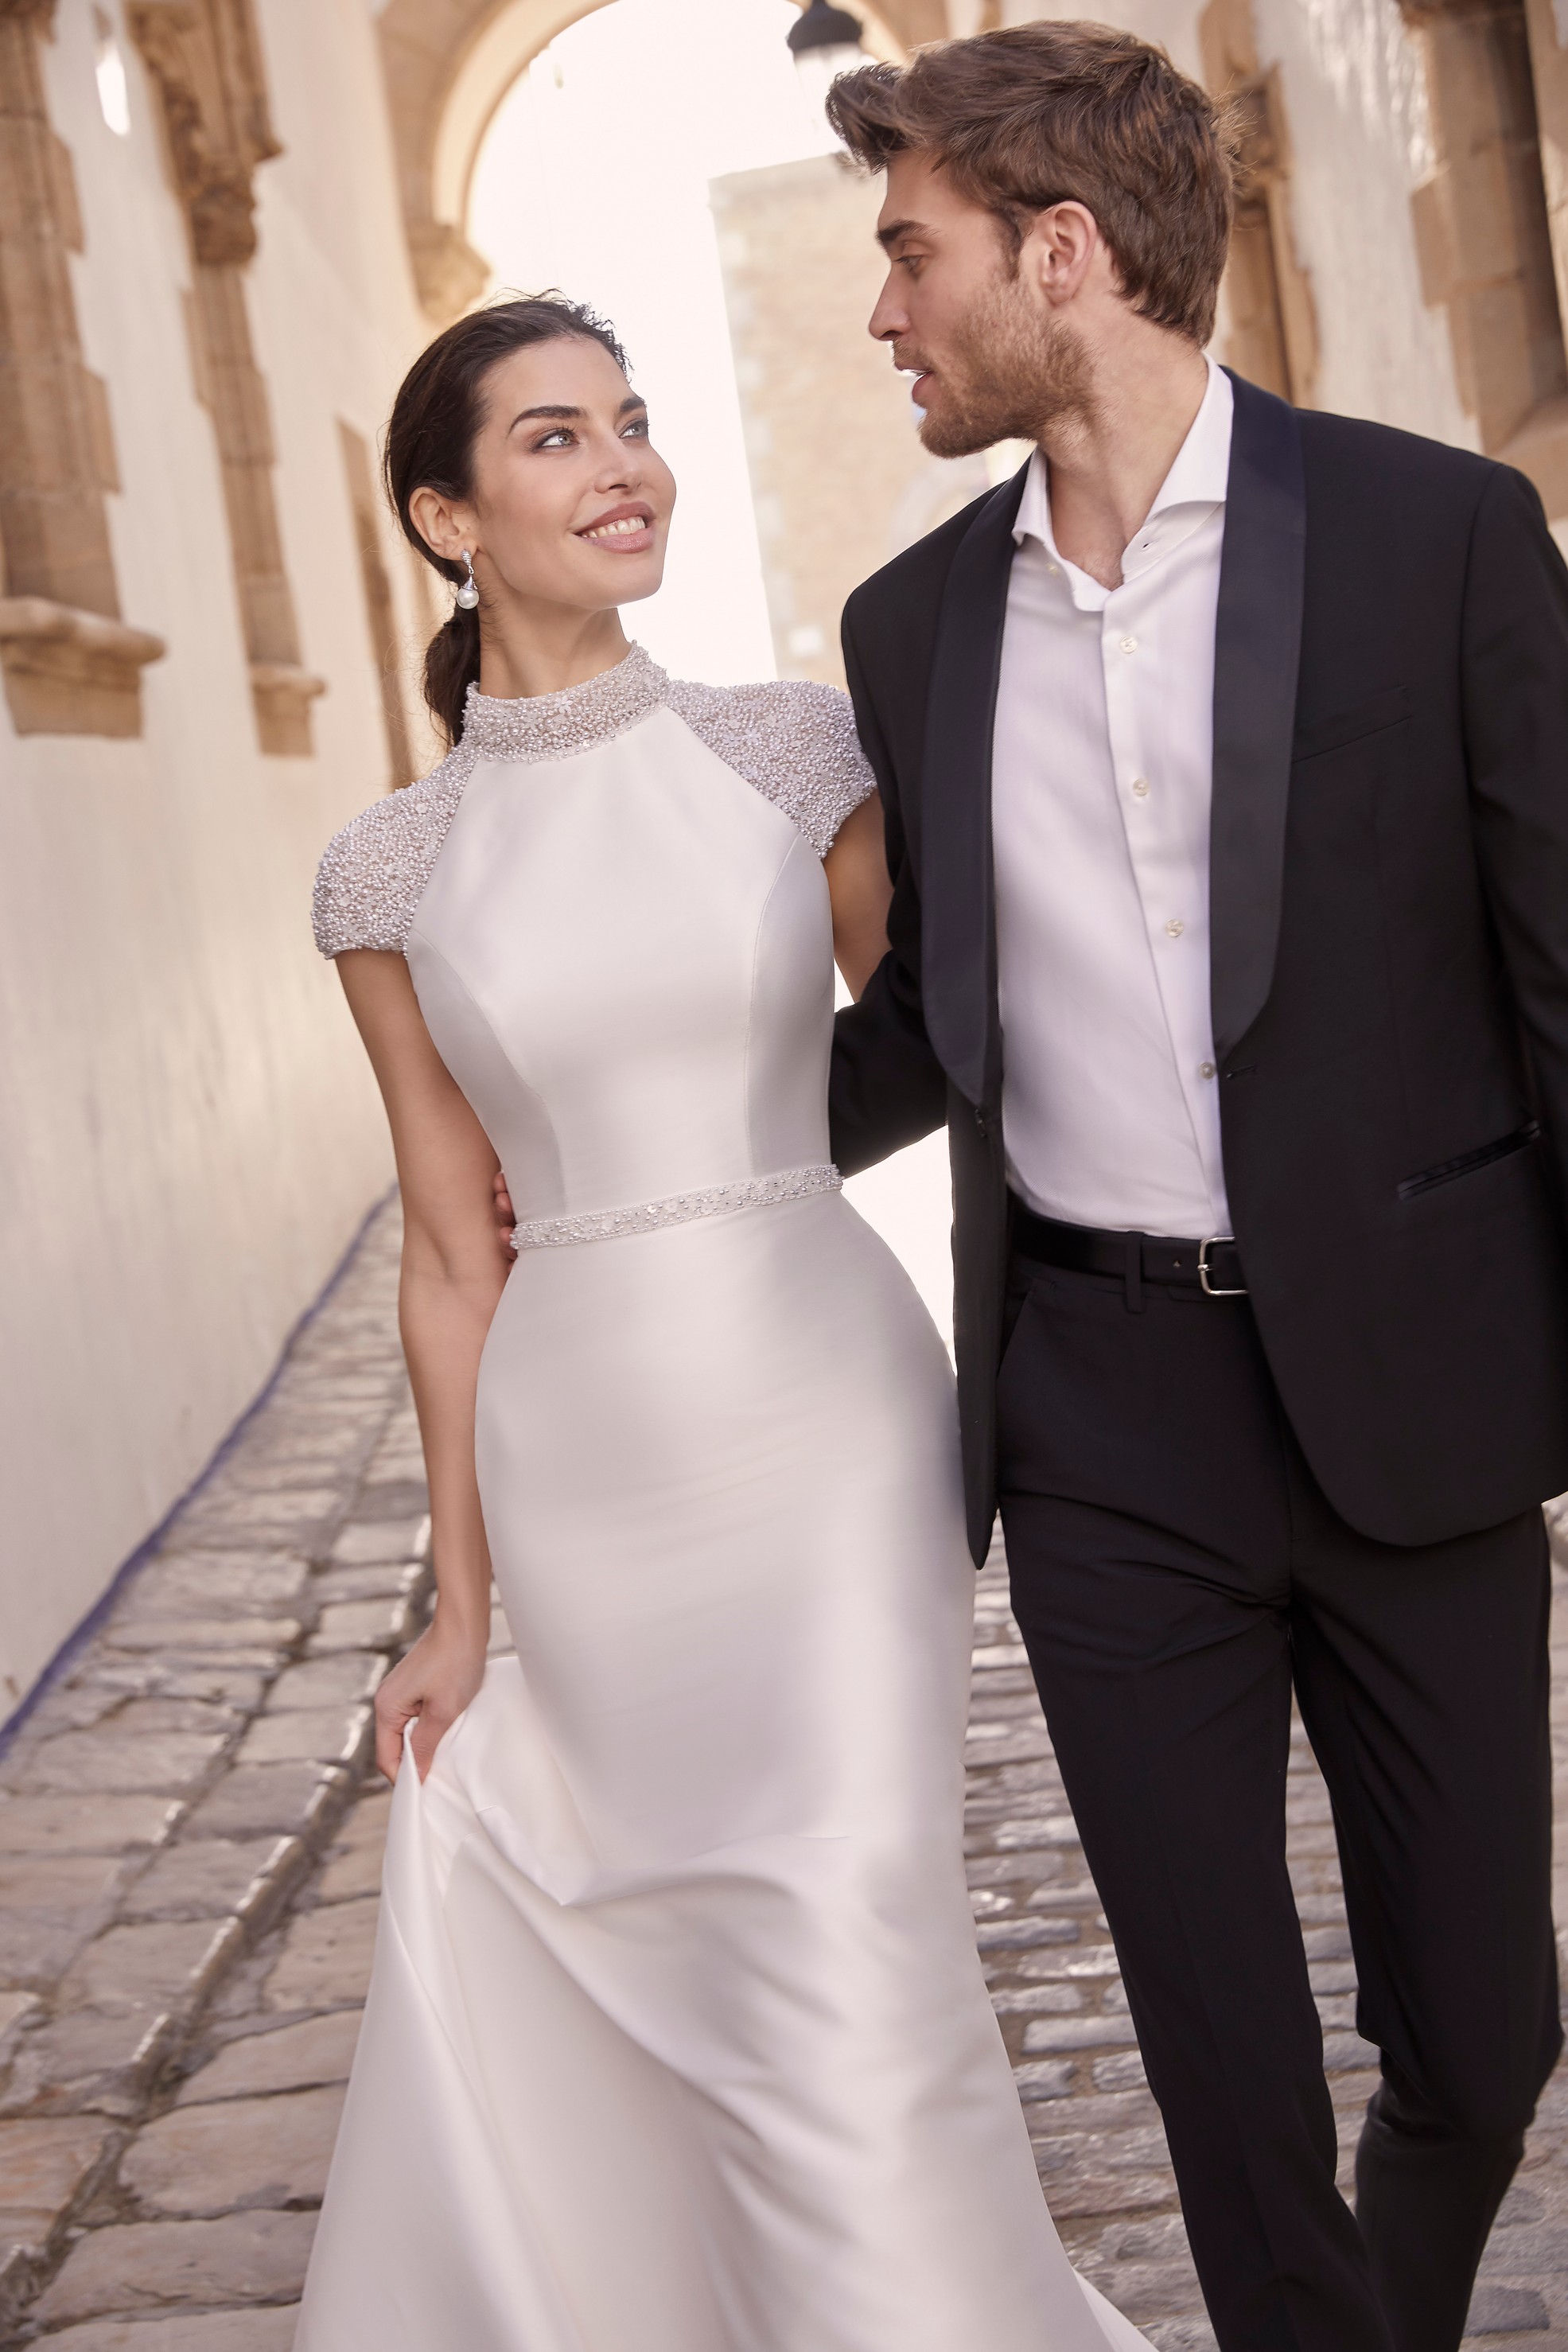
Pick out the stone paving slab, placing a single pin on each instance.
(190, 1852)
(141, 2267)
(161, 1807)
(217, 2331)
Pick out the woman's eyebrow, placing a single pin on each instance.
(562, 413)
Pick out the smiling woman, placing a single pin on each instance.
(677, 2039)
(519, 458)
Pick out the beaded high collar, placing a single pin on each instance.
(553, 726)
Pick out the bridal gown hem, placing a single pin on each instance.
(676, 2038)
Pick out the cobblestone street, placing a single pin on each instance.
(188, 1856)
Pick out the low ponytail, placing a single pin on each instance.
(435, 421)
(450, 667)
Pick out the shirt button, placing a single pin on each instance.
(1054, 570)
(1129, 645)
(1174, 928)
(1206, 1069)
(1140, 788)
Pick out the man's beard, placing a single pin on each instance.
(1007, 376)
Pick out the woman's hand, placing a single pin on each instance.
(429, 1688)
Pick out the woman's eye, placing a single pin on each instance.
(638, 426)
(559, 439)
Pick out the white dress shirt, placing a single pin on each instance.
(1103, 759)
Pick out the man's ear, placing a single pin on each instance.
(1060, 251)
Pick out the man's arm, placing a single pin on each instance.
(887, 1088)
(1515, 684)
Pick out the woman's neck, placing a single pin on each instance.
(545, 649)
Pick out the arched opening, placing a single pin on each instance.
(738, 268)
(449, 64)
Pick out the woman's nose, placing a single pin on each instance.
(622, 467)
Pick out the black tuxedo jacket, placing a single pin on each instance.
(1389, 922)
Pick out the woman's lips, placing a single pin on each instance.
(623, 531)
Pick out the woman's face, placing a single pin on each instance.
(571, 502)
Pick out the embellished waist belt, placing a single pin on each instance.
(678, 1209)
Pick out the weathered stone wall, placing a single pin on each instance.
(188, 1135)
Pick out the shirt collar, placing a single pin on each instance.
(1193, 490)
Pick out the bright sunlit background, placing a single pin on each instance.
(593, 178)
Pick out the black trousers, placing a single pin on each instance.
(1176, 1569)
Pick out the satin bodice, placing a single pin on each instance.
(624, 958)
(613, 909)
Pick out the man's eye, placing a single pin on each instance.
(637, 424)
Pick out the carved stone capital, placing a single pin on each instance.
(70, 673)
(283, 695)
(448, 271)
(205, 59)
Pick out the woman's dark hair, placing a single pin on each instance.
(435, 422)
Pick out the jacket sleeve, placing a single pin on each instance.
(887, 1088)
(1515, 689)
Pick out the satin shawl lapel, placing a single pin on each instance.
(1257, 655)
(958, 916)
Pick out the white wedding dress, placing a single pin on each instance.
(677, 2039)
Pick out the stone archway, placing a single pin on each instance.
(448, 65)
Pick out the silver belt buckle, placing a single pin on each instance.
(1210, 1291)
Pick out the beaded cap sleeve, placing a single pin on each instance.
(794, 739)
(373, 873)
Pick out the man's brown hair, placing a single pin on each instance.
(1046, 113)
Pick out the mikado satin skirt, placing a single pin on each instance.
(677, 2039)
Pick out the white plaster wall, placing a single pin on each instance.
(1356, 115)
(1172, 25)
(1355, 105)
(188, 1131)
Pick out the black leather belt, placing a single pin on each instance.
(1213, 1266)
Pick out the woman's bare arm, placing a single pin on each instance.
(861, 891)
(453, 1269)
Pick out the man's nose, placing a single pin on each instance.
(889, 319)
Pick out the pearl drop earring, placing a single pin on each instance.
(468, 594)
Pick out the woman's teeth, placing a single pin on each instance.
(617, 530)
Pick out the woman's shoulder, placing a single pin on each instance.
(372, 874)
(792, 738)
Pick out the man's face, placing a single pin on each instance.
(991, 362)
